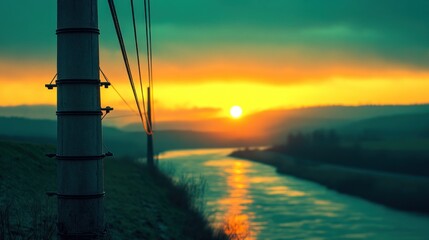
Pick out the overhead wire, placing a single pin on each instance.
(151, 64)
(148, 27)
(138, 56)
(146, 122)
(150, 41)
(55, 76)
(126, 62)
(117, 92)
(122, 116)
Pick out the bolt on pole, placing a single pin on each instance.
(80, 181)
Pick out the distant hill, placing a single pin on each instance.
(280, 119)
(278, 123)
(263, 128)
(272, 126)
(117, 141)
(27, 127)
(400, 125)
(29, 111)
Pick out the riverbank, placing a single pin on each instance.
(399, 191)
(140, 203)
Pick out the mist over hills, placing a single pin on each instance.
(270, 118)
(402, 125)
(29, 111)
(263, 128)
(271, 126)
(122, 143)
(347, 120)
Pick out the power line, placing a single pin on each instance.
(122, 116)
(120, 95)
(125, 58)
(148, 27)
(146, 122)
(151, 64)
(138, 56)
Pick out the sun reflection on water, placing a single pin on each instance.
(251, 201)
(236, 218)
(283, 190)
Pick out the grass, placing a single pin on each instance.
(25, 212)
(166, 209)
(140, 202)
(31, 220)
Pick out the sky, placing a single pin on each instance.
(213, 54)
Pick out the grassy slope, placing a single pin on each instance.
(25, 171)
(140, 204)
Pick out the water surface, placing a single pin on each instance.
(257, 203)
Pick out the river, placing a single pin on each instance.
(255, 202)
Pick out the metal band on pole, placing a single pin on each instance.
(80, 177)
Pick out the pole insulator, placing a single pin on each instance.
(105, 84)
(108, 154)
(50, 86)
(107, 109)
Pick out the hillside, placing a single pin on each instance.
(140, 204)
(121, 143)
(265, 127)
(400, 125)
(347, 119)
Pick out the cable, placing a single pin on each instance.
(122, 116)
(147, 14)
(125, 58)
(123, 99)
(138, 56)
(55, 76)
(151, 63)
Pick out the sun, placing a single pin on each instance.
(236, 111)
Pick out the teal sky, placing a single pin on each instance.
(294, 52)
(393, 31)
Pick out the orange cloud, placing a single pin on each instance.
(208, 86)
(283, 67)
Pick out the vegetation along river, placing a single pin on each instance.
(255, 202)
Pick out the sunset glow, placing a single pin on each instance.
(236, 111)
(215, 119)
(201, 69)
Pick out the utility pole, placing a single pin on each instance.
(79, 149)
(150, 161)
